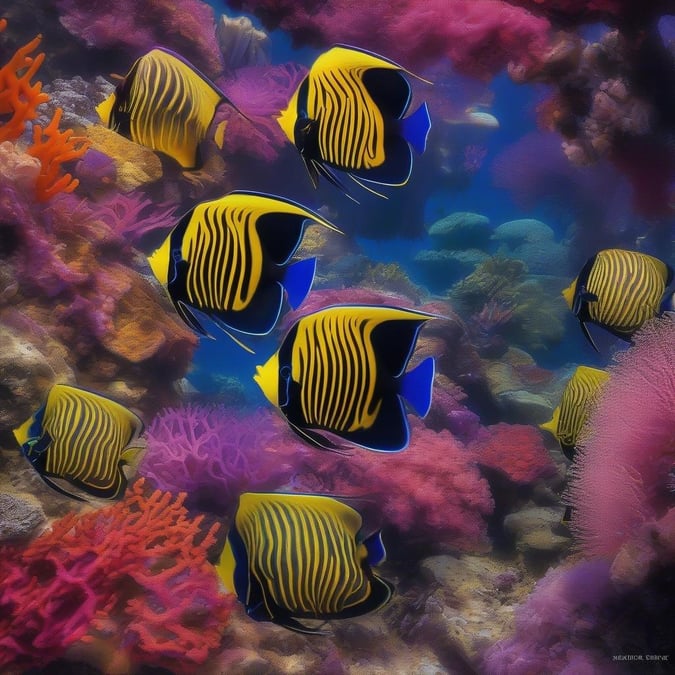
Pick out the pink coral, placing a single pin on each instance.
(432, 490)
(516, 450)
(215, 453)
(627, 449)
(479, 36)
(135, 573)
(188, 27)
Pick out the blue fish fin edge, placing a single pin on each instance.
(298, 281)
(417, 386)
(415, 128)
(375, 548)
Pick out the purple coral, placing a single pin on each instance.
(556, 624)
(215, 453)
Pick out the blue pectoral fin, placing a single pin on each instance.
(417, 386)
(588, 336)
(298, 281)
(375, 548)
(415, 128)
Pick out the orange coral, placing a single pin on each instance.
(53, 147)
(18, 97)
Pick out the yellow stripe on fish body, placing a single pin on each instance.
(225, 255)
(89, 434)
(577, 398)
(629, 286)
(169, 105)
(334, 360)
(304, 553)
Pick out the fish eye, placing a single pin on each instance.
(285, 372)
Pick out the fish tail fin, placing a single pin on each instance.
(415, 128)
(375, 549)
(298, 281)
(417, 386)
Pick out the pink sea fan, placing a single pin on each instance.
(627, 448)
(215, 453)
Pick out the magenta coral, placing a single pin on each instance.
(628, 445)
(187, 27)
(432, 490)
(479, 36)
(215, 453)
(134, 573)
(261, 92)
(516, 450)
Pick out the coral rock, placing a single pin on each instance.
(19, 515)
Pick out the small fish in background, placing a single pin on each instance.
(618, 290)
(228, 258)
(342, 370)
(348, 114)
(298, 556)
(165, 104)
(83, 438)
(570, 415)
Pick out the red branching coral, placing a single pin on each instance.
(134, 573)
(53, 148)
(627, 447)
(516, 450)
(18, 96)
(431, 491)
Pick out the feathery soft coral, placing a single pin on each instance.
(19, 98)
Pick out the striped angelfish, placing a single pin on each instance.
(165, 104)
(228, 258)
(578, 396)
(618, 290)
(348, 113)
(83, 438)
(296, 556)
(341, 370)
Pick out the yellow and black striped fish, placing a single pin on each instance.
(165, 104)
(570, 416)
(228, 259)
(296, 556)
(618, 290)
(342, 370)
(348, 114)
(83, 438)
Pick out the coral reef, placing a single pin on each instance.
(261, 91)
(431, 492)
(215, 453)
(241, 44)
(19, 97)
(480, 37)
(135, 572)
(72, 279)
(627, 447)
(515, 450)
(608, 99)
(188, 28)
(53, 148)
